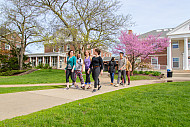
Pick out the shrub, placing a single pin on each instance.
(156, 73)
(135, 72)
(146, 72)
(46, 66)
(140, 72)
(40, 66)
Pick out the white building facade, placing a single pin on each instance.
(178, 52)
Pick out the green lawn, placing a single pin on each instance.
(40, 76)
(162, 105)
(28, 88)
(139, 77)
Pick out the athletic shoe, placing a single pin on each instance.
(67, 88)
(128, 83)
(124, 85)
(83, 87)
(77, 87)
(116, 85)
(89, 87)
(73, 86)
(99, 87)
(94, 90)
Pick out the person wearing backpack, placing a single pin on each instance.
(78, 71)
(111, 69)
(70, 67)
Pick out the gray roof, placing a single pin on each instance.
(163, 32)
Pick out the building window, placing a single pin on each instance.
(154, 60)
(7, 46)
(39, 60)
(138, 60)
(33, 62)
(189, 45)
(54, 49)
(68, 48)
(46, 60)
(61, 49)
(175, 45)
(175, 62)
(54, 61)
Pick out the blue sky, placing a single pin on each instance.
(150, 15)
(156, 14)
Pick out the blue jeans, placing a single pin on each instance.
(112, 77)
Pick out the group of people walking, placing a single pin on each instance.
(94, 66)
(124, 67)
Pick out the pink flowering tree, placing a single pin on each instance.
(136, 47)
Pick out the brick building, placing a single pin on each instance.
(56, 56)
(14, 37)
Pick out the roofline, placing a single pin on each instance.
(176, 28)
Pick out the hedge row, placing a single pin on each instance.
(154, 73)
(12, 72)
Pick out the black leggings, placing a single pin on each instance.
(95, 75)
(87, 76)
(69, 73)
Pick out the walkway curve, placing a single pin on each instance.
(23, 103)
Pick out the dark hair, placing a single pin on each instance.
(70, 52)
(121, 53)
(98, 51)
(85, 53)
(112, 59)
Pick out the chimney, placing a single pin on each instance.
(130, 31)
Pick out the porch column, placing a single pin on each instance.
(43, 61)
(50, 61)
(186, 54)
(169, 56)
(36, 61)
(58, 66)
(30, 59)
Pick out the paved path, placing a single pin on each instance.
(23, 103)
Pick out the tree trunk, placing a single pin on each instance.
(133, 64)
(21, 59)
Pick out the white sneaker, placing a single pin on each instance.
(116, 85)
(73, 86)
(124, 85)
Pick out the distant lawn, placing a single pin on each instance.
(139, 77)
(37, 77)
(28, 88)
(163, 105)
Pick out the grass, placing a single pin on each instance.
(163, 105)
(37, 77)
(139, 77)
(28, 88)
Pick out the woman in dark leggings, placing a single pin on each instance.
(69, 70)
(97, 69)
(87, 62)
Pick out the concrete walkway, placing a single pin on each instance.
(23, 103)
